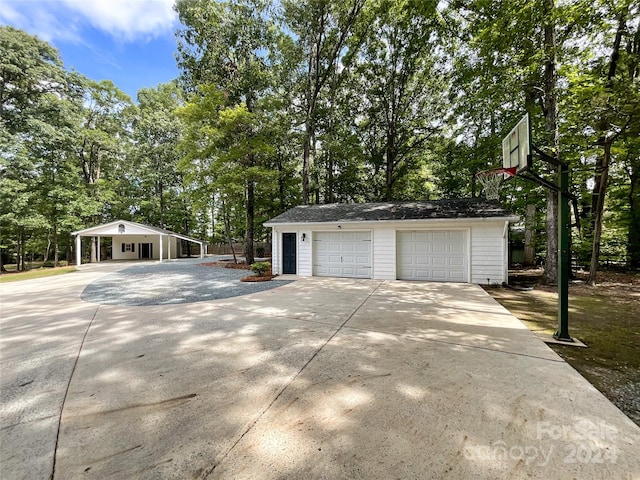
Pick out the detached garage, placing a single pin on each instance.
(442, 241)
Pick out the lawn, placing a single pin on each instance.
(36, 273)
(606, 318)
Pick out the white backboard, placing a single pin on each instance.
(516, 148)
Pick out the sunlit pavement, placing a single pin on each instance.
(320, 378)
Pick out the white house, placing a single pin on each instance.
(135, 241)
(446, 241)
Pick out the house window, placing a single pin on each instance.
(128, 247)
(121, 228)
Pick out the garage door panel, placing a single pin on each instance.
(457, 276)
(442, 236)
(457, 248)
(350, 254)
(440, 275)
(435, 255)
(439, 261)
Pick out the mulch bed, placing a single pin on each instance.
(228, 264)
(255, 278)
(240, 266)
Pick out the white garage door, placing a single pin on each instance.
(435, 255)
(342, 254)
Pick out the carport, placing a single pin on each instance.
(133, 241)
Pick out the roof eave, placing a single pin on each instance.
(509, 218)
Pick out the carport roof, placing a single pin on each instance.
(393, 211)
(131, 228)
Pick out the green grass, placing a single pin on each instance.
(39, 273)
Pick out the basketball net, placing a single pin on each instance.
(491, 180)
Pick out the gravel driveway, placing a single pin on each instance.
(182, 281)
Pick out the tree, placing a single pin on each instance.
(403, 85)
(157, 131)
(225, 148)
(322, 29)
(36, 98)
(102, 143)
(225, 45)
(604, 101)
(514, 48)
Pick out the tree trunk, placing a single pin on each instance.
(390, 167)
(306, 153)
(281, 181)
(227, 229)
(248, 253)
(551, 263)
(93, 258)
(529, 234)
(551, 128)
(597, 215)
(56, 250)
(48, 249)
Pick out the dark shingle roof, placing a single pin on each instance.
(418, 210)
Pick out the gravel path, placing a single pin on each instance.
(183, 281)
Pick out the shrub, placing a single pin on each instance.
(260, 268)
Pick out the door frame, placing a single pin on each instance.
(141, 248)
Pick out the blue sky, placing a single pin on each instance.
(130, 42)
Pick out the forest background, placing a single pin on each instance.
(320, 101)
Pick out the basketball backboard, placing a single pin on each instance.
(516, 146)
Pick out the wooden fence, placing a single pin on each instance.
(260, 249)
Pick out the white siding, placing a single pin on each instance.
(116, 247)
(276, 252)
(305, 262)
(488, 253)
(384, 250)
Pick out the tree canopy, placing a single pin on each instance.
(319, 101)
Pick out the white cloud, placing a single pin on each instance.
(39, 20)
(125, 20)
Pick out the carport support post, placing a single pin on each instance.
(160, 248)
(78, 250)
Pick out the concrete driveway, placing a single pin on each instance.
(320, 378)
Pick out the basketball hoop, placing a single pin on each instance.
(491, 180)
